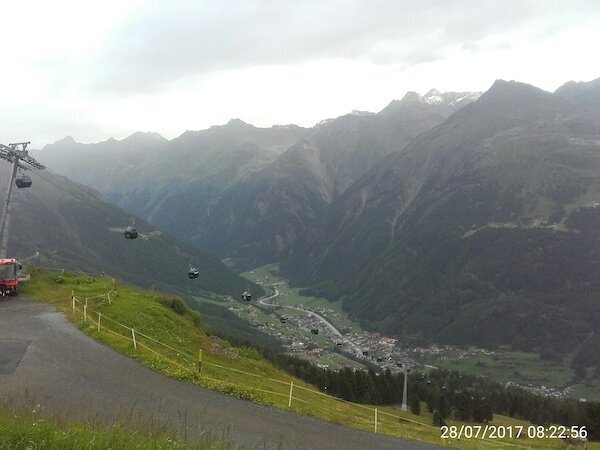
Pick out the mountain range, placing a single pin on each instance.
(482, 230)
(465, 218)
(245, 192)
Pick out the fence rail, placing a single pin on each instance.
(61, 269)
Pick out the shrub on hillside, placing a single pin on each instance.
(71, 279)
(179, 307)
(195, 316)
(249, 352)
(175, 304)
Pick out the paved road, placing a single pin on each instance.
(46, 359)
(328, 324)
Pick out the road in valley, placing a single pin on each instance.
(334, 330)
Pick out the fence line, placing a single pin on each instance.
(249, 373)
(63, 270)
(197, 370)
(90, 312)
(182, 352)
(131, 339)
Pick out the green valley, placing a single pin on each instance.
(547, 376)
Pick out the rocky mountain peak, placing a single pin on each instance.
(237, 123)
(452, 100)
(66, 141)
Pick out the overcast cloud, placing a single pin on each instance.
(99, 69)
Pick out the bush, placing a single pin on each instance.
(180, 307)
(196, 317)
(248, 352)
(175, 304)
(70, 279)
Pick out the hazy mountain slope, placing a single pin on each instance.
(82, 232)
(258, 221)
(480, 231)
(585, 94)
(243, 191)
(164, 181)
(104, 165)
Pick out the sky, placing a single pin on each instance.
(95, 70)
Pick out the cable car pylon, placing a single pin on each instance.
(17, 154)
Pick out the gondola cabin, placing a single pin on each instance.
(283, 319)
(193, 273)
(246, 296)
(130, 233)
(23, 181)
(314, 330)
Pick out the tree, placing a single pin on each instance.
(444, 407)
(590, 417)
(433, 400)
(482, 411)
(437, 419)
(415, 405)
(462, 409)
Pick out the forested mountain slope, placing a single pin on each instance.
(484, 230)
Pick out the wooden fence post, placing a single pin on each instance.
(291, 391)
(133, 336)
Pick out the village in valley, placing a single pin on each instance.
(321, 332)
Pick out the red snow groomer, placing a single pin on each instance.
(9, 284)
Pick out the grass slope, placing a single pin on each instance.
(237, 371)
(26, 429)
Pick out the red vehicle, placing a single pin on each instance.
(9, 284)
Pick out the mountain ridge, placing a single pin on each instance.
(408, 229)
(220, 166)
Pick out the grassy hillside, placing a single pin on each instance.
(237, 371)
(26, 429)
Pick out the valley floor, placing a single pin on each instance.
(328, 349)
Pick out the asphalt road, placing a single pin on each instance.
(45, 360)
